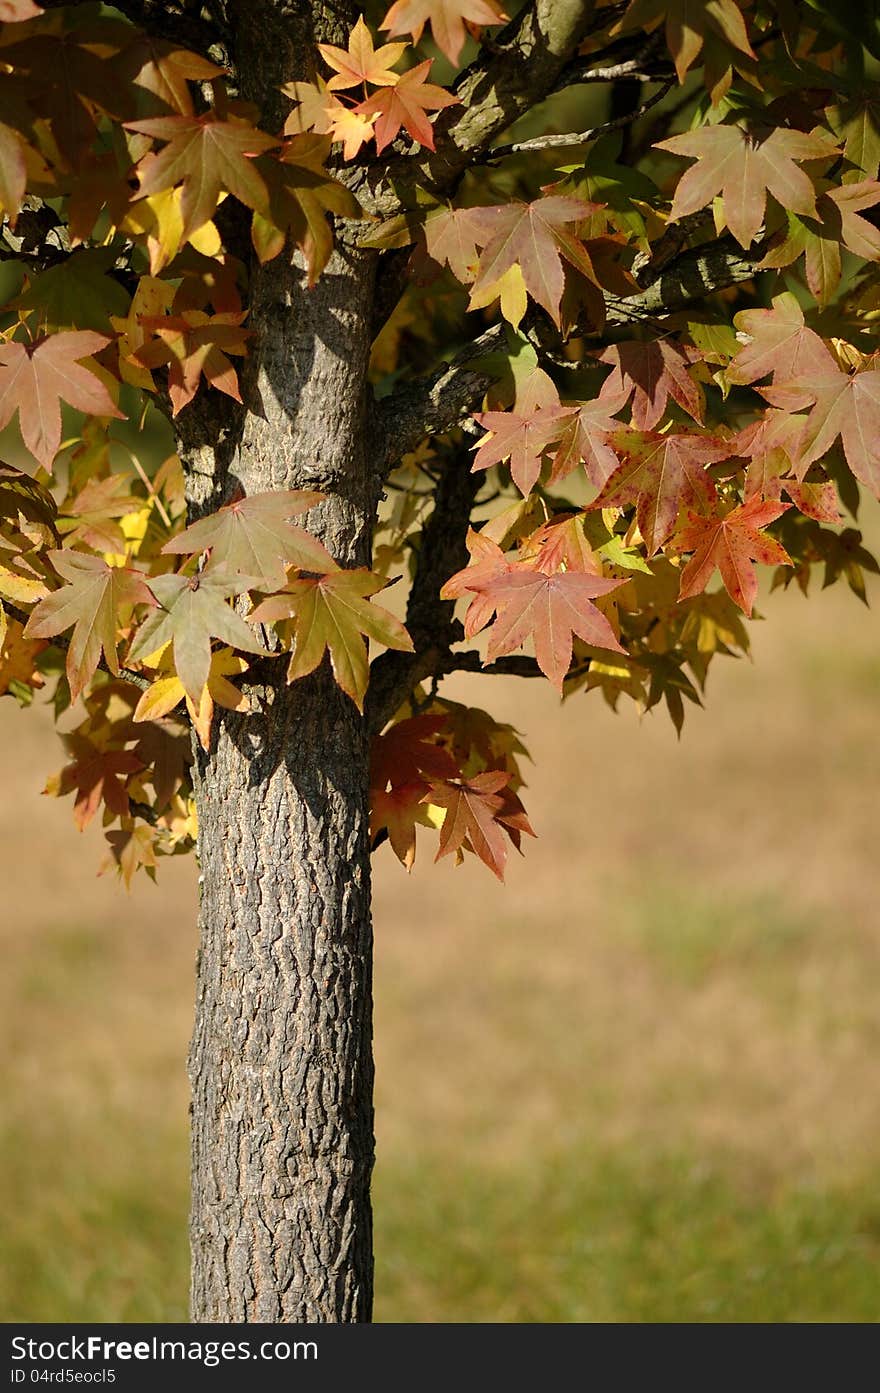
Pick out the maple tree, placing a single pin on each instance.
(343, 350)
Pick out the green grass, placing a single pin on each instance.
(617, 1237)
(98, 1232)
(691, 934)
(621, 1239)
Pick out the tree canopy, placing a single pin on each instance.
(624, 361)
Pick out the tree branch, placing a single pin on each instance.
(550, 142)
(178, 23)
(60, 641)
(429, 620)
(434, 404)
(688, 277)
(431, 405)
(517, 72)
(638, 59)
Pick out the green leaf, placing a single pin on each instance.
(78, 294)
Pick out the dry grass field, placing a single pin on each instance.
(638, 1083)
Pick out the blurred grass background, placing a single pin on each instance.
(638, 1083)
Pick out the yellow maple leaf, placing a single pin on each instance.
(159, 219)
(361, 62)
(167, 692)
(18, 656)
(152, 297)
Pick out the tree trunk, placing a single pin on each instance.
(281, 1061)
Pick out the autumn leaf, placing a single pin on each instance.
(778, 343)
(132, 848)
(661, 474)
(301, 194)
(193, 610)
(168, 692)
(453, 237)
(408, 752)
(487, 564)
(474, 809)
(13, 171)
(351, 129)
(397, 811)
(561, 544)
(743, 167)
(166, 753)
(523, 434)
(688, 23)
(209, 156)
(535, 237)
(14, 11)
(73, 80)
(731, 542)
(314, 110)
(18, 657)
(97, 776)
(843, 406)
(768, 477)
(151, 300)
(91, 517)
(856, 122)
(549, 609)
(361, 62)
(193, 345)
(771, 442)
(165, 70)
(405, 106)
(447, 19)
(254, 537)
(651, 373)
(405, 761)
(80, 293)
(332, 614)
(837, 223)
(586, 438)
(89, 604)
(36, 377)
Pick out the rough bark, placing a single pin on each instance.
(281, 1060)
(281, 1064)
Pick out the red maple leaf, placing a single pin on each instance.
(97, 776)
(523, 434)
(743, 167)
(550, 610)
(474, 811)
(406, 760)
(732, 542)
(651, 373)
(535, 237)
(662, 474)
(36, 377)
(779, 343)
(587, 439)
(405, 106)
(193, 345)
(447, 19)
(842, 405)
(487, 563)
(208, 155)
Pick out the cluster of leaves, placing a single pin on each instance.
(454, 767)
(628, 451)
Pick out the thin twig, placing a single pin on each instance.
(61, 641)
(550, 142)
